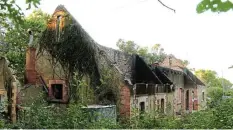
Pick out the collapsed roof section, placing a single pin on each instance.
(189, 77)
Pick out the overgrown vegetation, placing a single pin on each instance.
(40, 115)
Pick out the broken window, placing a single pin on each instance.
(57, 91)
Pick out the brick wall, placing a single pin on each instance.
(30, 65)
(190, 100)
(125, 101)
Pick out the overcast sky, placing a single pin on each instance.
(205, 40)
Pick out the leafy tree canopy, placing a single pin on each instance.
(155, 54)
(211, 79)
(9, 10)
(16, 40)
(214, 6)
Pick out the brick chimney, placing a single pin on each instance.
(30, 65)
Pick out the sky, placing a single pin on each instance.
(202, 39)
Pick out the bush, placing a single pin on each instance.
(42, 116)
(223, 114)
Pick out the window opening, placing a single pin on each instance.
(58, 27)
(57, 91)
(193, 100)
(162, 105)
(142, 107)
(187, 100)
(203, 96)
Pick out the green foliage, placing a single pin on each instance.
(108, 91)
(198, 120)
(16, 40)
(44, 116)
(73, 116)
(223, 114)
(215, 86)
(185, 62)
(156, 54)
(11, 11)
(214, 6)
(128, 46)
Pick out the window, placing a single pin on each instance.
(57, 91)
(193, 95)
(187, 100)
(157, 104)
(203, 96)
(193, 100)
(58, 27)
(162, 105)
(142, 107)
(180, 94)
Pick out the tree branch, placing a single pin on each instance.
(167, 6)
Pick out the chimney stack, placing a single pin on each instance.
(30, 61)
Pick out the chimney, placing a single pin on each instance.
(30, 65)
(30, 61)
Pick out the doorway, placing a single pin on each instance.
(142, 107)
(162, 105)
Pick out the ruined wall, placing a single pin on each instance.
(125, 101)
(149, 101)
(178, 95)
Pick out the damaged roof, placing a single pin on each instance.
(132, 67)
(188, 75)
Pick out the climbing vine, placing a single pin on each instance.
(74, 50)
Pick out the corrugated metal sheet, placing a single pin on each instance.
(99, 112)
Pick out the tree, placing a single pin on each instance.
(185, 62)
(16, 40)
(215, 86)
(11, 11)
(127, 46)
(156, 54)
(209, 77)
(214, 6)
